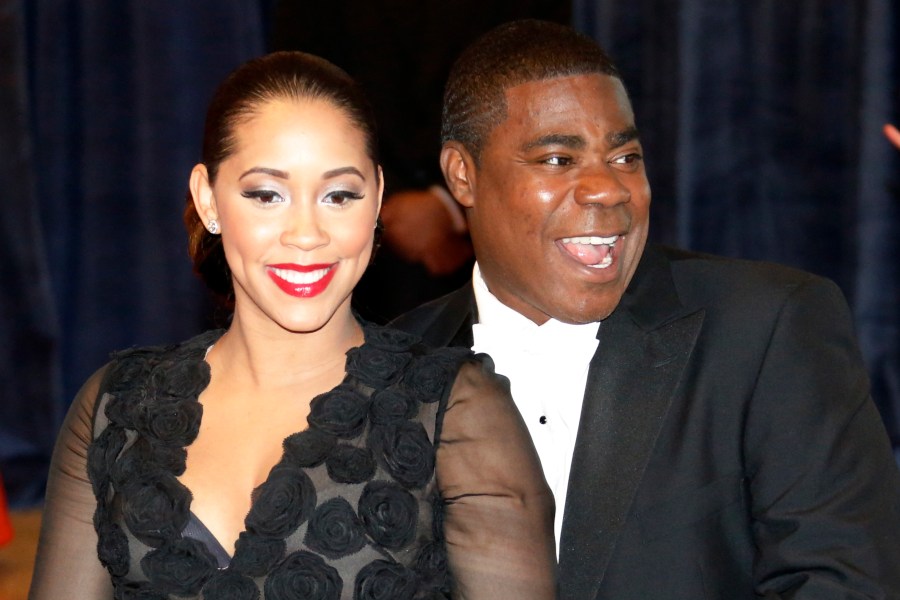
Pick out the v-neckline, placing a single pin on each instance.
(212, 543)
(212, 538)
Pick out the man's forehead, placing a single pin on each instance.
(555, 111)
(544, 85)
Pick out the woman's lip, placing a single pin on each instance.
(301, 268)
(302, 281)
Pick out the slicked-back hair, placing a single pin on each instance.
(509, 55)
(293, 76)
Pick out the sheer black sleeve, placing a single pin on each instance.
(67, 565)
(499, 509)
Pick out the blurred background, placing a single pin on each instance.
(761, 123)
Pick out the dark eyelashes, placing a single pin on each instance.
(259, 194)
(267, 196)
(350, 195)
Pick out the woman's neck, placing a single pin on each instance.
(264, 355)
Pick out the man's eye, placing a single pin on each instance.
(631, 160)
(558, 161)
(263, 196)
(342, 197)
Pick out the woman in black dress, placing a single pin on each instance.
(300, 453)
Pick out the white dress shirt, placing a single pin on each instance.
(547, 367)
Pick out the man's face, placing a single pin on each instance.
(558, 207)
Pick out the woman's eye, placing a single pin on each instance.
(263, 196)
(342, 197)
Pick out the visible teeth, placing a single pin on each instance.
(603, 263)
(299, 277)
(593, 240)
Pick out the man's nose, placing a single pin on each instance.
(601, 185)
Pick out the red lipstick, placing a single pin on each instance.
(302, 281)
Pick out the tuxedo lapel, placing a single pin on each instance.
(644, 347)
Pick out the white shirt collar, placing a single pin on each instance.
(495, 315)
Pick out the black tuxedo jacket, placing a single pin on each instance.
(728, 446)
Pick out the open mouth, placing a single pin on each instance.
(592, 251)
(299, 277)
(302, 281)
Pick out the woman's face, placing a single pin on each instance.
(296, 205)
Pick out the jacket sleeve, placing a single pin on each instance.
(823, 485)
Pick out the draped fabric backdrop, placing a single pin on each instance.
(94, 173)
(761, 122)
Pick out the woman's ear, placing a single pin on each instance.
(459, 172)
(380, 189)
(202, 193)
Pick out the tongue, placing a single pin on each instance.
(588, 254)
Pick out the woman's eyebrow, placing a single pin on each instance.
(267, 171)
(343, 171)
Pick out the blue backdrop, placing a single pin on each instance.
(761, 123)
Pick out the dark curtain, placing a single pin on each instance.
(761, 123)
(30, 404)
(111, 97)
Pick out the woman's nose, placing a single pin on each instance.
(304, 229)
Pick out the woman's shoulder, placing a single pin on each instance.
(135, 366)
(389, 356)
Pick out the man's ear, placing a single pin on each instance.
(459, 172)
(202, 193)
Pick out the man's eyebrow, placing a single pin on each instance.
(267, 171)
(620, 138)
(575, 142)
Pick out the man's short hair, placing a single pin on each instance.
(511, 54)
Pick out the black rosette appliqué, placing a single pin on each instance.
(428, 375)
(303, 575)
(177, 377)
(392, 405)
(137, 590)
(155, 508)
(348, 464)
(179, 567)
(102, 455)
(145, 458)
(388, 338)
(376, 367)
(120, 409)
(130, 370)
(230, 585)
(385, 580)
(431, 565)
(283, 502)
(341, 412)
(308, 448)
(112, 548)
(405, 451)
(169, 421)
(255, 555)
(335, 530)
(389, 514)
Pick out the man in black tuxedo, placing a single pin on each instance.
(705, 423)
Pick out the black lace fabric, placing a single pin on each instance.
(413, 479)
